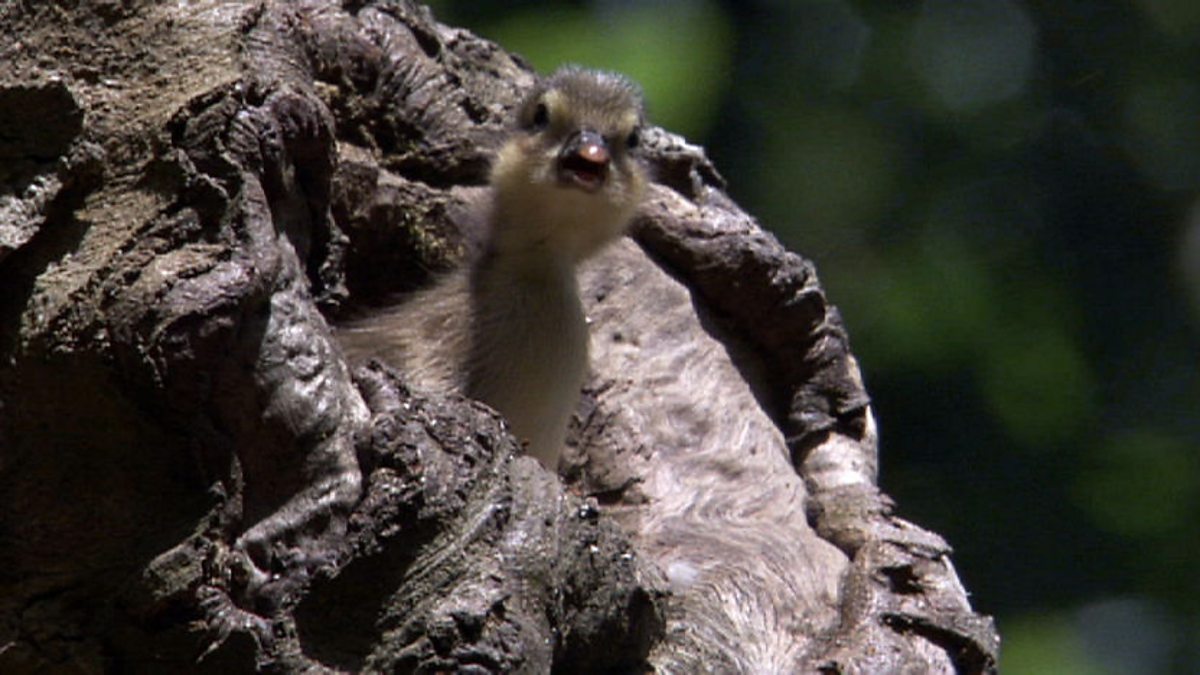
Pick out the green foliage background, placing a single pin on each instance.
(1001, 198)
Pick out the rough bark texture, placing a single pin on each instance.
(191, 479)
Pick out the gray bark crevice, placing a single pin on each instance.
(191, 479)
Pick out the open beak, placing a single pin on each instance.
(584, 160)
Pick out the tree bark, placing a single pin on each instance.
(191, 479)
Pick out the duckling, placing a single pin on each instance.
(509, 329)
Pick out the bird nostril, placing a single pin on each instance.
(594, 152)
(588, 146)
(585, 160)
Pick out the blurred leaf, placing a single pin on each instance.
(828, 171)
(1038, 384)
(1177, 18)
(1132, 635)
(929, 307)
(1189, 261)
(678, 51)
(1142, 484)
(1163, 133)
(1040, 644)
(973, 54)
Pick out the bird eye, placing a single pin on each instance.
(541, 116)
(633, 139)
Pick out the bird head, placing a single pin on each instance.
(569, 179)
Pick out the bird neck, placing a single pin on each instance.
(502, 270)
(547, 227)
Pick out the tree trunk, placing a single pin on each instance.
(191, 479)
